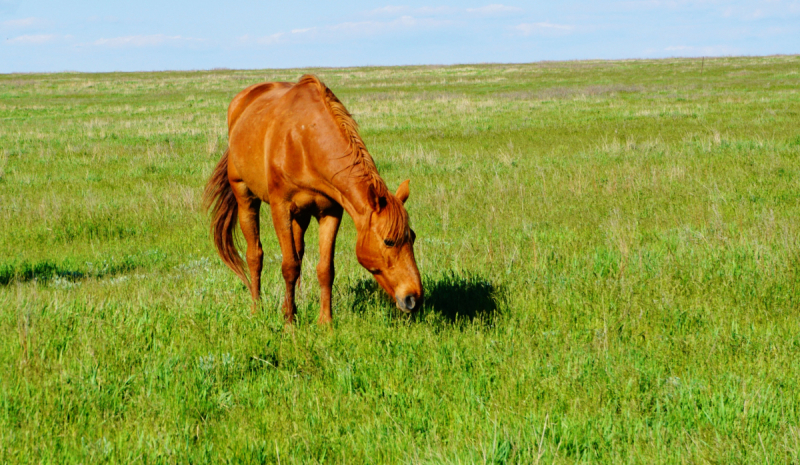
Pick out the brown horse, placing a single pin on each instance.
(297, 148)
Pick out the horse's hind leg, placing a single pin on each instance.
(249, 207)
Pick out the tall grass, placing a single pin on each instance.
(610, 253)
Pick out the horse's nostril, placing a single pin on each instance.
(408, 303)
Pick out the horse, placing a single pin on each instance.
(297, 148)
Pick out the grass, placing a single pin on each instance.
(610, 252)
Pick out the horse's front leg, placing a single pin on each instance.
(328, 228)
(290, 227)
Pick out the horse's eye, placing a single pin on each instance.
(388, 242)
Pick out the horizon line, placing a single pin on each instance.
(421, 65)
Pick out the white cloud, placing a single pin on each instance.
(494, 9)
(348, 29)
(747, 11)
(545, 28)
(25, 22)
(35, 39)
(143, 41)
(762, 10)
(377, 27)
(351, 29)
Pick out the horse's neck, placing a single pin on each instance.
(353, 193)
(346, 174)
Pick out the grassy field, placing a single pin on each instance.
(610, 253)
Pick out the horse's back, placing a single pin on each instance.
(246, 128)
(267, 90)
(276, 132)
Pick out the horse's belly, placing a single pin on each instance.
(313, 202)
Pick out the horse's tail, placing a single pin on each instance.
(219, 199)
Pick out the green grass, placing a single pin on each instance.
(610, 252)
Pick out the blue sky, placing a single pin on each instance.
(147, 35)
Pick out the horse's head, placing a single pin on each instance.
(386, 248)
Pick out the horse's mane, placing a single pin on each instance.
(362, 165)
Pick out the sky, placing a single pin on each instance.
(151, 35)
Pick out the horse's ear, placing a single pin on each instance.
(402, 191)
(376, 202)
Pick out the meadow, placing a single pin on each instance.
(609, 249)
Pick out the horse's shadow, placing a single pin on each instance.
(453, 298)
(47, 270)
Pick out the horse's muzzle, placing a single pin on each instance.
(408, 303)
